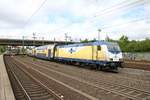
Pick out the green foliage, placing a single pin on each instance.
(126, 45)
(2, 49)
(94, 40)
(34, 59)
(86, 40)
(134, 46)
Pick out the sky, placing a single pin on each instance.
(80, 19)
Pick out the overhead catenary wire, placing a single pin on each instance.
(107, 11)
(120, 8)
(91, 16)
(102, 12)
(29, 19)
(123, 6)
(32, 15)
(116, 25)
(120, 24)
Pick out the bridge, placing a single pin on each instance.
(27, 42)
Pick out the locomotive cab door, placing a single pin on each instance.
(34, 52)
(98, 51)
(49, 53)
(101, 53)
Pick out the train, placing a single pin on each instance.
(100, 54)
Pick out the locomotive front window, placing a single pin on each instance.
(113, 48)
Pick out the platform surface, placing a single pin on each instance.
(6, 92)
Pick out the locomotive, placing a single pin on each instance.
(103, 55)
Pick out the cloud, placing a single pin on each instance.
(78, 18)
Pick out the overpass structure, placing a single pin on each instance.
(21, 42)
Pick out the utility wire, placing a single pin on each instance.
(29, 19)
(111, 10)
(120, 8)
(91, 17)
(124, 6)
(120, 24)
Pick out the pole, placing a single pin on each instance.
(43, 40)
(66, 36)
(23, 44)
(70, 38)
(54, 40)
(99, 30)
(34, 39)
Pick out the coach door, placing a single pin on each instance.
(49, 53)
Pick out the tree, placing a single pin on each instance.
(123, 42)
(2, 49)
(126, 45)
(84, 41)
(134, 46)
(94, 40)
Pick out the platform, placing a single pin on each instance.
(6, 92)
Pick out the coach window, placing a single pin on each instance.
(98, 47)
(71, 50)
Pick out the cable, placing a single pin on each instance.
(91, 16)
(116, 25)
(127, 22)
(105, 12)
(29, 19)
(125, 6)
(135, 20)
(120, 8)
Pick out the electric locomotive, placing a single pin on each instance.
(105, 55)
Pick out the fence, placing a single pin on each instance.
(137, 56)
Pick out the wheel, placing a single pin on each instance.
(98, 67)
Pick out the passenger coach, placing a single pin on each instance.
(44, 52)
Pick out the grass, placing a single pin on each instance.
(34, 59)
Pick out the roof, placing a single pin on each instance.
(88, 44)
(44, 47)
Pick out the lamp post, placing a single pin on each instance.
(99, 30)
(70, 38)
(23, 44)
(54, 40)
(66, 36)
(43, 40)
(34, 37)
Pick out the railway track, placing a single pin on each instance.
(63, 90)
(26, 87)
(143, 65)
(138, 62)
(125, 74)
(109, 89)
(97, 77)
